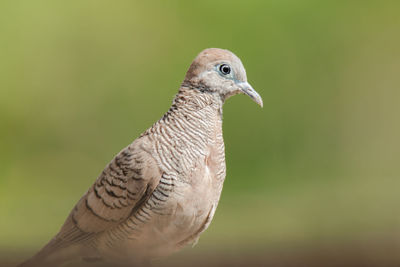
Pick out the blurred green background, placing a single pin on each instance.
(316, 169)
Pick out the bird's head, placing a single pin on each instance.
(219, 71)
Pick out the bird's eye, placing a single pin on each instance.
(225, 69)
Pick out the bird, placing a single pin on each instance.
(158, 194)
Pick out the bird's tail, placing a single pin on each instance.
(51, 254)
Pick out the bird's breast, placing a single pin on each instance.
(196, 160)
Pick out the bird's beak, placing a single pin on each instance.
(246, 88)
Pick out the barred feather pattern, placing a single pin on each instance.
(187, 146)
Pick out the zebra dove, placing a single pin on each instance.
(159, 193)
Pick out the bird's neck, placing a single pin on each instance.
(191, 104)
(196, 98)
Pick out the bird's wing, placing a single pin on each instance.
(126, 182)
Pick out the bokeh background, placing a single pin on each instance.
(312, 178)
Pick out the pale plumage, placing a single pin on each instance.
(159, 193)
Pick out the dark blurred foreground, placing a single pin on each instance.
(355, 253)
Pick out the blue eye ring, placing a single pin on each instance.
(225, 69)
